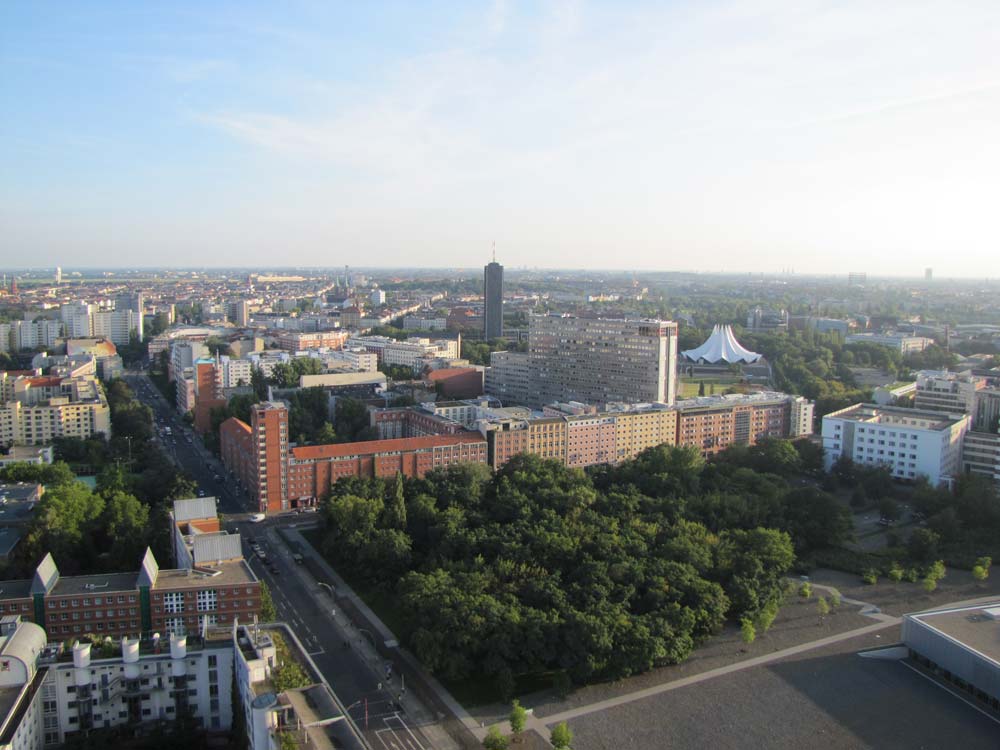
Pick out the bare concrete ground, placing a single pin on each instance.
(900, 598)
(829, 698)
(798, 622)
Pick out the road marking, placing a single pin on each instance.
(406, 741)
(317, 653)
(947, 689)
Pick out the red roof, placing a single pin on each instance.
(444, 373)
(45, 381)
(368, 447)
(235, 424)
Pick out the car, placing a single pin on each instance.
(297, 558)
(257, 517)
(201, 493)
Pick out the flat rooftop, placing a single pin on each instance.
(970, 626)
(95, 584)
(898, 417)
(224, 574)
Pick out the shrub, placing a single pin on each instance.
(805, 590)
(936, 570)
(561, 736)
(747, 631)
(912, 576)
(895, 573)
(930, 584)
(835, 599)
(870, 577)
(979, 573)
(494, 740)
(518, 717)
(822, 607)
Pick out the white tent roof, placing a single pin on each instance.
(721, 346)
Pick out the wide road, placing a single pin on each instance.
(360, 683)
(185, 448)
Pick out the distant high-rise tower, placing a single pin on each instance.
(493, 299)
(928, 274)
(13, 285)
(58, 275)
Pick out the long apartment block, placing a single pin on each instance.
(280, 477)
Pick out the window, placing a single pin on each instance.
(207, 601)
(173, 601)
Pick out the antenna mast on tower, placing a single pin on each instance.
(494, 251)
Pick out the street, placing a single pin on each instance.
(339, 650)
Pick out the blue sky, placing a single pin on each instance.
(753, 135)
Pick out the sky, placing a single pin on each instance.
(756, 135)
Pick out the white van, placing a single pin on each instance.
(257, 517)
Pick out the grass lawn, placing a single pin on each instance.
(689, 388)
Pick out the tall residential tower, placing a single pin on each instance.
(600, 361)
(493, 299)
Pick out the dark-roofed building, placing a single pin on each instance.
(149, 600)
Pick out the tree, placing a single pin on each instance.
(561, 736)
(126, 529)
(267, 610)
(822, 606)
(518, 717)
(979, 573)
(701, 388)
(930, 584)
(923, 545)
(395, 507)
(747, 631)
(805, 590)
(888, 509)
(494, 740)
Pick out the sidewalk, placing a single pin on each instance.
(385, 650)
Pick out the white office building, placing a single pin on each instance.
(909, 442)
(77, 320)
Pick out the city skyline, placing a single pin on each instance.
(714, 137)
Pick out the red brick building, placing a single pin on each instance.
(312, 469)
(280, 478)
(146, 601)
(296, 341)
(457, 382)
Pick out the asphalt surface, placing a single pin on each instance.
(337, 648)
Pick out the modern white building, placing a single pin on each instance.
(117, 326)
(77, 320)
(183, 355)
(31, 334)
(909, 442)
(960, 645)
(311, 715)
(233, 372)
(900, 342)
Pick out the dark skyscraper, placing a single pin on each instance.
(493, 299)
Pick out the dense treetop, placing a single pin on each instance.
(542, 567)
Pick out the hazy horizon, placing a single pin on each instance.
(728, 137)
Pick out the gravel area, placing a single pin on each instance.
(828, 698)
(798, 622)
(900, 598)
